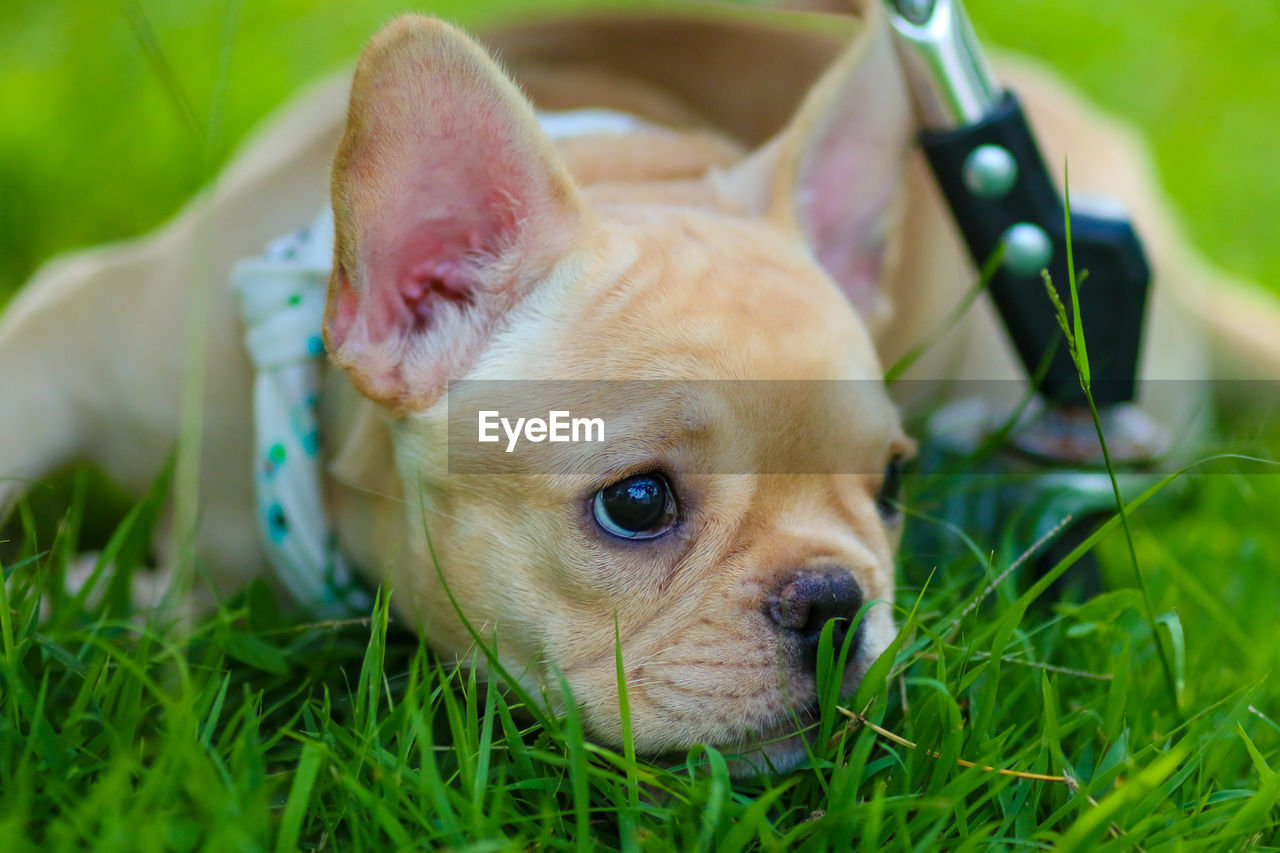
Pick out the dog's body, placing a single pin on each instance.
(676, 237)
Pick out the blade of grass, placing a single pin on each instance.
(295, 808)
(627, 820)
(988, 271)
(221, 88)
(1080, 356)
(1096, 820)
(575, 743)
(145, 35)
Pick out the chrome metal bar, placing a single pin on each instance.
(948, 73)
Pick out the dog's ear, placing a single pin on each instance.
(449, 204)
(836, 172)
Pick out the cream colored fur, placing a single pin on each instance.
(682, 241)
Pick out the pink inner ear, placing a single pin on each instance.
(842, 207)
(852, 138)
(435, 268)
(414, 287)
(447, 201)
(431, 284)
(418, 274)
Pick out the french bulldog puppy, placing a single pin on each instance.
(761, 219)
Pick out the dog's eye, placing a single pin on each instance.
(890, 496)
(640, 507)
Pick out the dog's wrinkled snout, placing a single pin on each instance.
(811, 599)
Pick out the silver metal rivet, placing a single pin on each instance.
(990, 171)
(1027, 249)
(916, 11)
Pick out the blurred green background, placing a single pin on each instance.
(115, 112)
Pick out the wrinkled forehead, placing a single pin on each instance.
(766, 426)
(804, 426)
(694, 296)
(714, 339)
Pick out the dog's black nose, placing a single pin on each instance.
(814, 597)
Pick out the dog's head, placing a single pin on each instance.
(720, 528)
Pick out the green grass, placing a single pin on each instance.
(254, 731)
(249, 730)
(94, 149)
